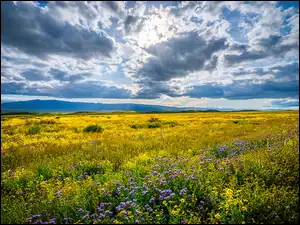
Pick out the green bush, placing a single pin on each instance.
(172, 123)
(154, 125)
(34, 129)
(93, 128)
(136, 126)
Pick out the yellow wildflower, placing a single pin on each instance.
(229, 193)
(164, 202)
(182, 200)
(174, 212)
(218, 216)
(122, 212)
(244, 208)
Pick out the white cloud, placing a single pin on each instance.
(142, 49)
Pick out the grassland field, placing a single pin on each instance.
(120, 168)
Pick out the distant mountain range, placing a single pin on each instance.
(65, 106)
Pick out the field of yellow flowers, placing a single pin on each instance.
(120, 168)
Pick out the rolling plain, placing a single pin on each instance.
(127, 167)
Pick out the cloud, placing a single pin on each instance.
(289, 71)
(133, 24)
(179, 56)
(90, 90)
(35, 75)
(271, 33)
(272, 46)
(64, 76)
(36, 31)
(21, 88)
(67, 90)
(246, 89)
(285, 103)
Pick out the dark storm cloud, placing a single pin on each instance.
(179, 56)
(285, 103)
(35, 75)
(273, 46)
(64, 76)
(112, 5)
(288, 70)
(232, 59)
(11, 87)
(246, 89)
(153, 89)
(20, 88)
(35, 31)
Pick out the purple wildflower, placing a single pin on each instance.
(101, 216)
(68, 219)
(52, 221)
(58, 194)
(183, 191)
(86, 216)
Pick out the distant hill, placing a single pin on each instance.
(47, 106)
(65, 106)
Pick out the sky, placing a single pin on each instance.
(198, 54)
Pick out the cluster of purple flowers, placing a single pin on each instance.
(183, 191)
(126, 204)
(166, 194)
(35, 219)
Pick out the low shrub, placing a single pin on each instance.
(154, 125)
(34, 129)
(93, 128)
(136, 126)
(172, 123)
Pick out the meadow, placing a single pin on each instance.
(121, 168)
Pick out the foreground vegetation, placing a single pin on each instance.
(237, 167)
